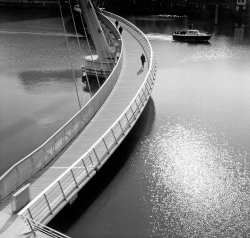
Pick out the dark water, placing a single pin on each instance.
(184, 171)
(37, 91)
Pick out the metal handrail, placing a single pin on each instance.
(37, 227)
(40, 157)
(58, 193)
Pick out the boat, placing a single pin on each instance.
(191, 35)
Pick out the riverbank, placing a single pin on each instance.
(29, 3)
(142, 8)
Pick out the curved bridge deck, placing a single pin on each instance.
(128, 84)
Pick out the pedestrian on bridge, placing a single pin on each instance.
(120, 30)
(143, 60)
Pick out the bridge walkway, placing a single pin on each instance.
(129, 82)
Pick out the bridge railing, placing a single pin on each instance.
(50, 201)
(38, 228)
(26, 168)
(137, 33)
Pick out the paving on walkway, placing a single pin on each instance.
(130, 80)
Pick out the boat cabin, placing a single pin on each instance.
(194, 32)
(188, 32)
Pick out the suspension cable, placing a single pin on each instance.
(69, 53)
(105, 57)
(105, 53)
(112, 56)
(83, 60)
(102, 28)
(90, 51)
(108, 52)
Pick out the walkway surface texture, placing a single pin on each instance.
(130, 80)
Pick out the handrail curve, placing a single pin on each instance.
(60, 192)
(31, 164)
(51, 200)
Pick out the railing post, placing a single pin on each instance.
(149, 80)
(137, 105)
(114, 135)
(85, 167)
(121, 128)
(145, 95)
(30, 214)
(62, 190)
(105, 145)
(46, 199)
(74, 178)
(91, 160)
(96, 156)
(147, 88)
(127, 119)
(133, 112)
(141, 99)
(31, 227)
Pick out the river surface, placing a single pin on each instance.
(184, 170)
(37, 89)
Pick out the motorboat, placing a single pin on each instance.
(191, 36)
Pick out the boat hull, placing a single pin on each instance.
(186, 38)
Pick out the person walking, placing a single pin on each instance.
(116, 23)
(143, 60)
(120, 30)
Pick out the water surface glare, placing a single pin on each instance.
(198, 186)
(184, 170)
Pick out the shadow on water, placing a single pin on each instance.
(108, 172)
(33, 80)
(93, 84)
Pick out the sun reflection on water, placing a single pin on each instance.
(215, 53)
(199, 186)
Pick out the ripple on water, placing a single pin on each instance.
(215, 53)
(198, 186)
(160, 37)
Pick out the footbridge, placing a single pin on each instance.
(56, 171)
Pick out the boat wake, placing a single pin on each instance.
(159, 37)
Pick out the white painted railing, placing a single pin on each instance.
(38, 228)
(26, 168)
(50, 201)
